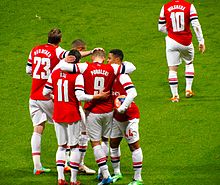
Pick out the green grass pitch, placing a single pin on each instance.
(180, 141)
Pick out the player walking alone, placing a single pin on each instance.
(175, 19)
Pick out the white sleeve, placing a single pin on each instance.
(126, 67)
(48, 88)
(126, 82)
(162, 22)
(74, 68)
(61, 53)
(29, 65)
(79, 89)
(196, 25)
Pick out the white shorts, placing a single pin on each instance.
(40, 111)
(128, 130)
(67, 133)
(99, 125)
(176, 52)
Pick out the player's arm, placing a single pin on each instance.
(61, 53)
(127, 84)
(125, 67)
(85, 53)
(162, 22)
(82, 96)
(48, 89)
(197, 28)
(66, 65)
(29, 65)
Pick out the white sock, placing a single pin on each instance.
(100, 158)
(67, 154)
(115, 159)
(75, 157)
(189, 75)
(105, 147)
(60, 161)
(173, 81)
(36, 149)
(83, 144)
(137, 159)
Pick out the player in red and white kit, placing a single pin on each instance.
(125, 122)
(66, 116)
(175, 19)
(98, 77)
(41, 61)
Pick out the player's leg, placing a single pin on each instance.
(116, 136)
(132, 137)
(62, 139)
(83, 144)
(188, 56)
(173, 60)
(75, 155)
(96, 131)
(39, 118)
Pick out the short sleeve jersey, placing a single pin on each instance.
(177, 16)
(66, 105)
(98, 77)
(118, 89)
(43, 59)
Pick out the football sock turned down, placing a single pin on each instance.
(189, 75)
(60, 161)
(36, 149)
(173, 82)
(100, 158)
(137, 159)
(75, 157)
(115, 159)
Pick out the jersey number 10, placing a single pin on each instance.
(177, 19)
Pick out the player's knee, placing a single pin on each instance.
(134, 146)
(115, 142)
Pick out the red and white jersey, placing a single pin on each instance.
(66, 105)
(42, 59)
(99, 77)
(176, 15)
(121, 86)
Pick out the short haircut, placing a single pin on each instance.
(77, 55)
(54, 36)
(78, 43)
(117, 53)
(98, 53)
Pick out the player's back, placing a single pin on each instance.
(177, 16)
(99, 77)
(43, 59)
(66, 105)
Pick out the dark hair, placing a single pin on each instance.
(54, 36)
(77, 55)
(117, 53)
(78, 43)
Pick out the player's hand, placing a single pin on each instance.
(70, 59)
(202, 48)
(97, 49)
(102, 95)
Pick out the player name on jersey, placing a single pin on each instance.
(174, 7)
(43, 51)
(99, 71)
